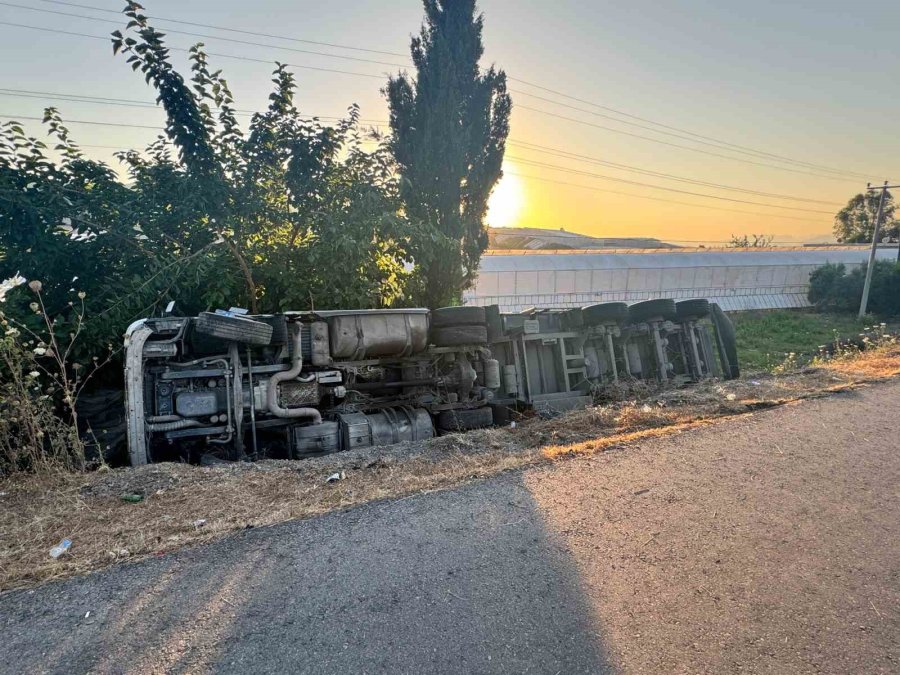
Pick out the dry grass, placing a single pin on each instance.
(186, 505)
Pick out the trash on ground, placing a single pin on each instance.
(199, 523)
(60, 548)
(335, 477)
(132, 498)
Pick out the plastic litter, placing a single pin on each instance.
(60, 548)
(335, 477)
(199, 523)
(133, 499)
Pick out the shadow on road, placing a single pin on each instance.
(459, 581)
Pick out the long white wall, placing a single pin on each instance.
(737, 279)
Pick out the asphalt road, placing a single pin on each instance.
(764, 544)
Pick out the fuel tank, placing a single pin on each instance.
(376, 333)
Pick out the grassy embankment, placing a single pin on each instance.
(765, 339)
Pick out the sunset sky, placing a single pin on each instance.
(814, 82)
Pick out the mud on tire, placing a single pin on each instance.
(233, 328)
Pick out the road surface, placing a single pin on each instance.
(769, 543)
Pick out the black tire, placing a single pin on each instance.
(279, 327)
(455, 336)
(457, 316)
(573, 319)
(494, 322)
(692, 309)
(604, 312)
(465, 420)
(233, 328)
(649, 310)
(726, 342)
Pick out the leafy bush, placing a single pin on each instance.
(832, 288)
(291, 213)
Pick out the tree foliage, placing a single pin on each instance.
(855, 223)
(449, 128)
(833, 288)
(290, 213)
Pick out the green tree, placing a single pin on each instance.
(449, 128)
(855, 223)
(285, 213)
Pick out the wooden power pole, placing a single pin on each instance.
(865, 295)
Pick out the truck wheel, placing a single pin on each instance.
(692, 309)
(605, 312)
(494, 322)
(464, 420)
(726, 341)
(455, 336)
(648, 310)
(233, 328)
(457, 316)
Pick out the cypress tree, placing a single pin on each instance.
(449, 128)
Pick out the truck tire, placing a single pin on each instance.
(604, 312)
(457, 316)
(692, 309)
(494, 322)
(648, 310)
(573, 319)
(726, 342)
(233, 328)
(465, 420)
(455, 336)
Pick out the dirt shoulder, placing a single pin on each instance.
(184, 505)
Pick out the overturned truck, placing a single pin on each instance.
(300, 384)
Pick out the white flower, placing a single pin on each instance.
(39, 351)
(8, 284)
(34, 374)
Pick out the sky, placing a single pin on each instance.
(797, 100)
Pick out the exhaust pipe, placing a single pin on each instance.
(272, 390)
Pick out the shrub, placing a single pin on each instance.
(832, 288)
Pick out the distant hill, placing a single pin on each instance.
(529, 238)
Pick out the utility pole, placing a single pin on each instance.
(865, 295)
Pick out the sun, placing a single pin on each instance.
(506, 202)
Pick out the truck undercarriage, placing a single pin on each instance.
(299, 384)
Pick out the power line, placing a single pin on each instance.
(209, 37)
(659, 199)
(102, 100)
(683, 147)
(106, 39)
(94, 122)
(712, 141)
(522, 160)
(558, 152)
(515, 79)
(555, 167)
(233, 30)
(687, 136)
(662, 125)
